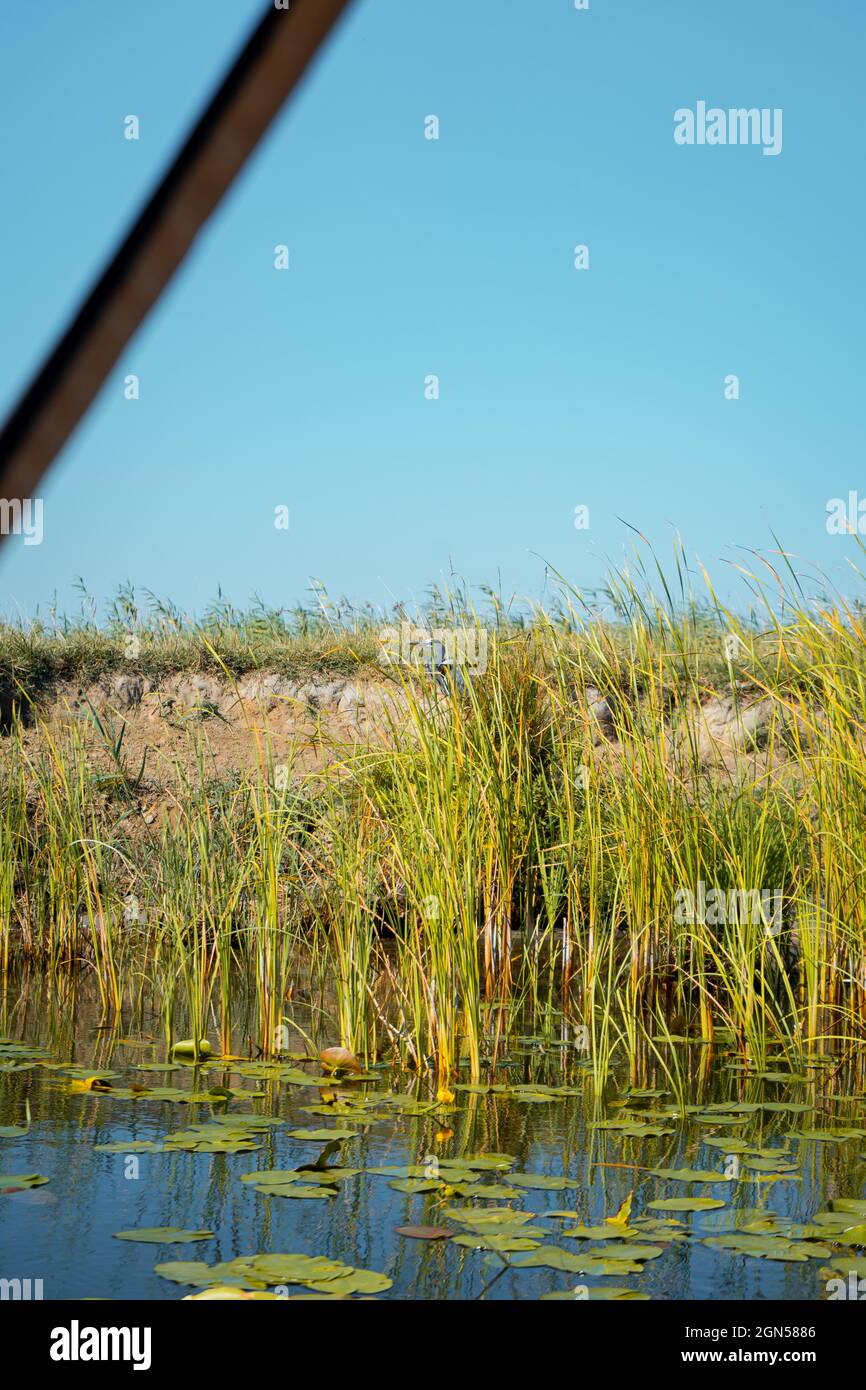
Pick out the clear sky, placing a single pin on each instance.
(455, 257)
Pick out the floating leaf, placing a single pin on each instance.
(690, 1175)
(850, 1264)
(258, 1271)
(542, 1181)
(132, 1146)
(594, 1295)
(504, 1241)
(767, 1247)
(481, 1218)
(363, 1281)
(17, 1131)
(828, 1136)
(686, 1204)
(855, 1235)
(551, 1257)
(487, 1192)
(480, 1163)
(848, 1206)
(606, 1232)
(20, 1182)
(770, 1165)
(295, 1191)
(425, 1232)
(223, 1293)
(322, 1135)
(163, 1235)
(187, 1272)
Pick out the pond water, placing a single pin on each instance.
(540, 1125)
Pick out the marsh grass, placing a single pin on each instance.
(502, 851)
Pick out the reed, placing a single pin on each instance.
(516, 850)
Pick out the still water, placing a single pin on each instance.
(538, 1123)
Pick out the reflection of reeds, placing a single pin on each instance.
(506, 848)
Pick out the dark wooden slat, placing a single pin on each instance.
(266, 71)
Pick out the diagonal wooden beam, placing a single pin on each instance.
(266, 71)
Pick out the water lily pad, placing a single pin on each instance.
(770, 1165)
(133, 1146)
(606, 1232)
(187, 1272)
(602, 1293)
(425, 1232)
(20, 1182)
(542, 1181)
(364, 1281)
(690, 1175)
(849, 1264)
(848, 1206)
(551, 1257)
(487, 1192)
(224, 1293)
(415, 1185)
(635, 1252)
(828, 1136)
(686, 1204)
(767, 1247)
(504, 1240)
(480, 1162)
(297, 1192)
(323, 1135)
(316, 1272)
(163, 1235)
(486, 1217)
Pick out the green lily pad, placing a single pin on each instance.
(415, 1185)
(323, 1135)
(605, 1232)
(690, 1175)
(187, 1272)
(500, 1241)
(425, 1232)
(297, 1192)
(551, 1257)
(770, 1165)
(480, 1163)
(481, 1218)
(19, 1182)
(849, 1264)
(542, 1181)
(163, 1235)
(134, 1146)
(686, 1204)
(593, 1295)
(362, 1281)
(828, 1136)
(487, 1192)
(848, 1206)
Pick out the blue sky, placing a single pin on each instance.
(411, 257)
